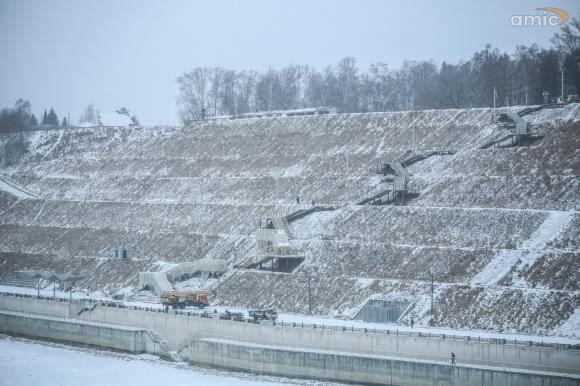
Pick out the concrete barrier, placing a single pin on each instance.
(120, 338)
(31, 305)
(176, 333)
(346, 367)
(176, 328)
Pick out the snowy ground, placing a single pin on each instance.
(24, 362)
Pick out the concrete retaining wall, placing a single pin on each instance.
(113, 337)
(61, 309)
(176, 328)
(360, 369)
(293, 351)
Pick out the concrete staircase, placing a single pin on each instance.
(21, 279)
(16, 282)
(529, 110)
(396, 174)
(281, 223)
(157, 281)
(520, 129)
(164, 350)
(190, 269)
(371, 199)
(297, 215)
(272, 245)
(489, 144)
(87, 309)
(415, 156)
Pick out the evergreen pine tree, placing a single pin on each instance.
(123, 110)
(64, 122)
(33, 121)
(45, 118)
(52, 118)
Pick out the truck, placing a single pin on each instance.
(267, 314)
(182, 299)
(228, 315)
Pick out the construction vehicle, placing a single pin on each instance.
(268, 314)
(228, 315)
(182, 299)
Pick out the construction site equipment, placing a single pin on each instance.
(182, 299)
(228, 315)
(267, 314)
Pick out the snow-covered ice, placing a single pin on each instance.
(29, 363)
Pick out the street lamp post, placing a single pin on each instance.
(309, 297)
(308, 281)
(562, 76)
(414, 117)
(277, 175)
(432, 291)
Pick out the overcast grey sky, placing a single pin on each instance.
(69, 53)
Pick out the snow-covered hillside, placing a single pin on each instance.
(498, 227)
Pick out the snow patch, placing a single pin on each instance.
(571, 327)
(529, 251)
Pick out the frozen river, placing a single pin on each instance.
(25, 362)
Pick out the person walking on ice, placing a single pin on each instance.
(453, 358)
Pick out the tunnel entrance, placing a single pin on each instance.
(383, 311)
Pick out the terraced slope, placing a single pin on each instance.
(498, 228)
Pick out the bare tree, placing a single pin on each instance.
(194, 93)
(346, 73)
(520, 78)
(228, 92)
(217, 75)
(245, 94)
(568, 39)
